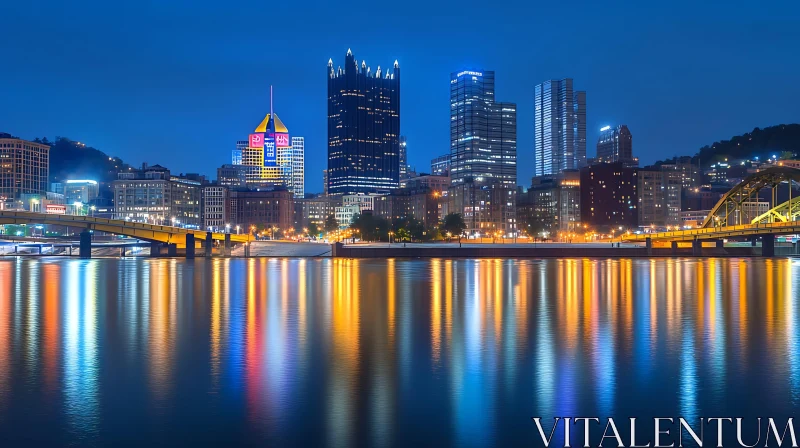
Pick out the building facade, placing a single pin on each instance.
(609, 196)
(483, 132)
(24, 167)
(440, 166)
(153, 195)
(486, 207)
(297, 176)
(314, 210)
(403, 158)
(559, 127)
(363, 128)
(659, 190)
(616, 145)
(553, 204)
(232, 176)
(344, 214)
(77, 190)
(406, 204)
(215, 210)
(437, 184)
(271, 159)
(362, 201)
(261, 209)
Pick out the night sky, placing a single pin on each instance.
(157, 82)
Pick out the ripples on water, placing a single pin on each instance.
(374, 352)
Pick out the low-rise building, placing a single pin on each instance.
(344, 214)
(261, 209)
(153, 195)
(551, 204)
(363, 201)
(406, 204)
(487, 206)
(314, 209)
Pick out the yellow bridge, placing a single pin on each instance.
(169, 235)
(728, 218)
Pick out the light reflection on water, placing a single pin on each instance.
(385, 352)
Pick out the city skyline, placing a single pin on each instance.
(167, 106)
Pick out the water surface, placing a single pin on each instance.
(331, 352)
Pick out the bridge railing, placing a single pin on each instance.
(716, 232)
(84, 220)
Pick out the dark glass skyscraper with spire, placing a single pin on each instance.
(363, 128)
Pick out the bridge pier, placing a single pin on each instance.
(697, 247)
(648, 242)
(720, 244)
(768, 245)
(753, 240)
(189, 245)
(797, 247)
(86, 244)
(172, 249)
(155, 249)
(209, 245)
(674, 246)
(227, 249)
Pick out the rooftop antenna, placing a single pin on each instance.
(270, 103)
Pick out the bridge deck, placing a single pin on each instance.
(148, 232)
(713, 233)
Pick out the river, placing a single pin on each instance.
(337, 352)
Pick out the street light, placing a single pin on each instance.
(227, 228)
(78, 206)
(237, 229)
(93, 208)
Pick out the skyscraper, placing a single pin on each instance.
(616, 145)
(559, 127)
(483, 133)
(363, 128)
(403, 158)
(297, 178)
(270, 157)
(483, 154)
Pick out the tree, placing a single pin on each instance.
(331, 224)
(415, 227)
(453, 223)
(370, 227)
(403, 235)
(313, 229)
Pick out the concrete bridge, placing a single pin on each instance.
(170, 237)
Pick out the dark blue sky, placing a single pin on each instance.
(177, 83)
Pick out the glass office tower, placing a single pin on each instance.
(483, 155)
(559, 127)
(363, 128)
(483, 133)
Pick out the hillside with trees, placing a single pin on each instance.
(74, 160)
(782, 141)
